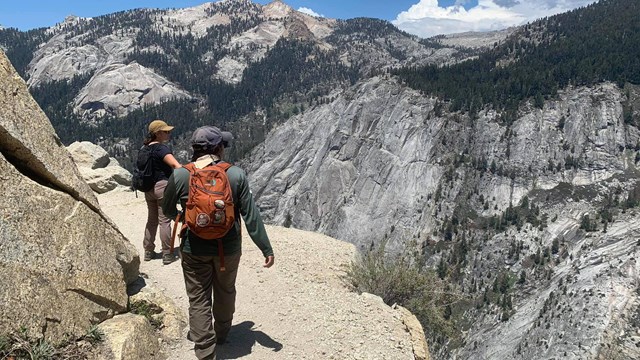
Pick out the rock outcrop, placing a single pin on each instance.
(129, 336)
(63, 264)
(169, 314)
(63, 58)
(119, 89)
(333, 175)
(475, 40)
(101, 172)
(88, 155)
(415, 330)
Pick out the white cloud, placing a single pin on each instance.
(309, 12)
(427, 18)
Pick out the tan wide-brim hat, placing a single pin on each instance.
(159, 125)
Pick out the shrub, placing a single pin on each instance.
(18, 345)
(401, 279)
(94, 335)
(5, 344)
(149, 311)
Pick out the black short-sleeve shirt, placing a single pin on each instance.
(161, 171)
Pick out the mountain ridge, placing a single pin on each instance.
(205, 51)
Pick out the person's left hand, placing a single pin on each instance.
(268, 261)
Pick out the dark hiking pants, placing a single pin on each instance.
(203, 278)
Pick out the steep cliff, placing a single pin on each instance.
(548, 198)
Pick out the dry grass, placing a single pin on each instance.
(18, 346)
(401, 279)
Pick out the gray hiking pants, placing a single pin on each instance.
(203, 278)
(156, 218)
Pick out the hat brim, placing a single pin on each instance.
(226, 138)
(166, 128)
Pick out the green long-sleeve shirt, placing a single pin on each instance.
(178, 190)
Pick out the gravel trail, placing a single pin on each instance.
(301, 308)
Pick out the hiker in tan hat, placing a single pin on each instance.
(162, 162)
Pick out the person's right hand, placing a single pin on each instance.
(268, 261)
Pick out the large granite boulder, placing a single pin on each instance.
(101, 172)
(87, 154)
(63, 264)
(170, 315)
(129, 336)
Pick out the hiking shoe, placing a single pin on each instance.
(168, 259)
(149, 255)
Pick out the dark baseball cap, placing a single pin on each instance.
(210, 136)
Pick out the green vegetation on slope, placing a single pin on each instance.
(582, 47)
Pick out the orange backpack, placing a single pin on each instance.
(210, 212)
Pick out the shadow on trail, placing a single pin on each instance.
(241, 340)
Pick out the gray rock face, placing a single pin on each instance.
(119, 88)
(252, 45)
(65, 266)
(64, 57)
(51, 64)
(380, 146)
(100, 171)
(340, 159)
(384, 163)
(115, 88)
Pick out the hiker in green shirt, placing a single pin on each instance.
(200, 258)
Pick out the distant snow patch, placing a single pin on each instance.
(308, 11)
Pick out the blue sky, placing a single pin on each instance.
(421, 17)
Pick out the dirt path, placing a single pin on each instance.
(298, 309)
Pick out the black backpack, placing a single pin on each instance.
(143, 171)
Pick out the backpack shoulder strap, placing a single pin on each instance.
(145, 154)
(224, 165)
(191, 167)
